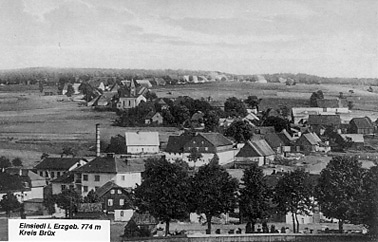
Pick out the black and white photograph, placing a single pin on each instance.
(189, 120)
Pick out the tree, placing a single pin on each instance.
(17, 161)
(339, 189)
(253, 102)
(369, 204)
(40, 86)
(254, 198)
(314, 98)
(4, 162)
(194, 155)
(211, 121)
(151, 96)
(293, 193)
(164, 192)
(235, 107)
(9, 203)
(70, 90)
(214, 191)
(68, 200)
(91, 197)
(167, 117)
(278, 123)
(117, 145)
(240, 130)
(68, 151)
(181, 113)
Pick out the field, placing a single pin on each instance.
(31, 123)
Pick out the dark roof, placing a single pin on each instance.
(324, 120)
(216, 139)
(112, 165)
(150, 115)
(328, 103)
(256, 148)
(176, 143)
(274, 140)
(107, 186)
(67, 177)
(285, 139)
(265, 130)
(363, 122)
(52, 163)
(311, 138)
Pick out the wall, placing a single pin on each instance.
(259, 238)
(92, 184)
(127, 214)
(133, 149)
(128, 179)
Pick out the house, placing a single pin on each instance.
(116, 201)
(260, 79)
(321, 122)
(162, 104)
(275, 142)
(145, 83)
(130, 101)
(53, 167)
(125, 172)
(153, 118)
(263, 130)
(142, 142)
(256, 151)
(140, 222)
(65, 181)
(104, 101)
(356, 140)
(362, 125)
(310, 142)
(208, 144)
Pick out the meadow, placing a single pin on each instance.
(31, 124)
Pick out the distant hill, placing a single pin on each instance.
(51, 75)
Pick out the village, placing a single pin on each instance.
(236, 134)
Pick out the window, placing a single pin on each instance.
(112, 191)
(123, 178)
(85, 177)
(119, 191)
(122, 213)
(58, 174)
(63, 187)
(52, 174)
(97, 177)
(121, 202)
(85, 189)
(110, 202)
(41, 173)
(46, 174)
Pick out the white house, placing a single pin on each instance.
(125, 172)
(142, 142)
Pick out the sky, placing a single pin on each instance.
(331, 38)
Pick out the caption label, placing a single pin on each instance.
(58, 230)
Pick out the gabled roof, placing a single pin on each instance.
(112, 165)
(216, 139)
(256, 148)
(274, 140)
(66, 178)
(52, 163)
(107, 187)
(285, 137)
(176, 143)
(355, 138)
(362, 123)
(312, 138)
(324, 120)
(142, 138)
(145, 83)
(265, 130)
(36, 180)
(150, 115)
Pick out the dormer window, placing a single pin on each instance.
(112, 191)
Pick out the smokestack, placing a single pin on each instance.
(98, 150)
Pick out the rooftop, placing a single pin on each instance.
(58, 163)
(112, 165)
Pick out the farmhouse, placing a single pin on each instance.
(357, 140)
(362, 125)
(52, 167)
(257, 151)
(116, 201)
(153, 118)
(65, 181)
(319, 122)
(208, 144)
(142, 142)
(124, 172)
(310, 142)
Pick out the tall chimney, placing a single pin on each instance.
(98, 150)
